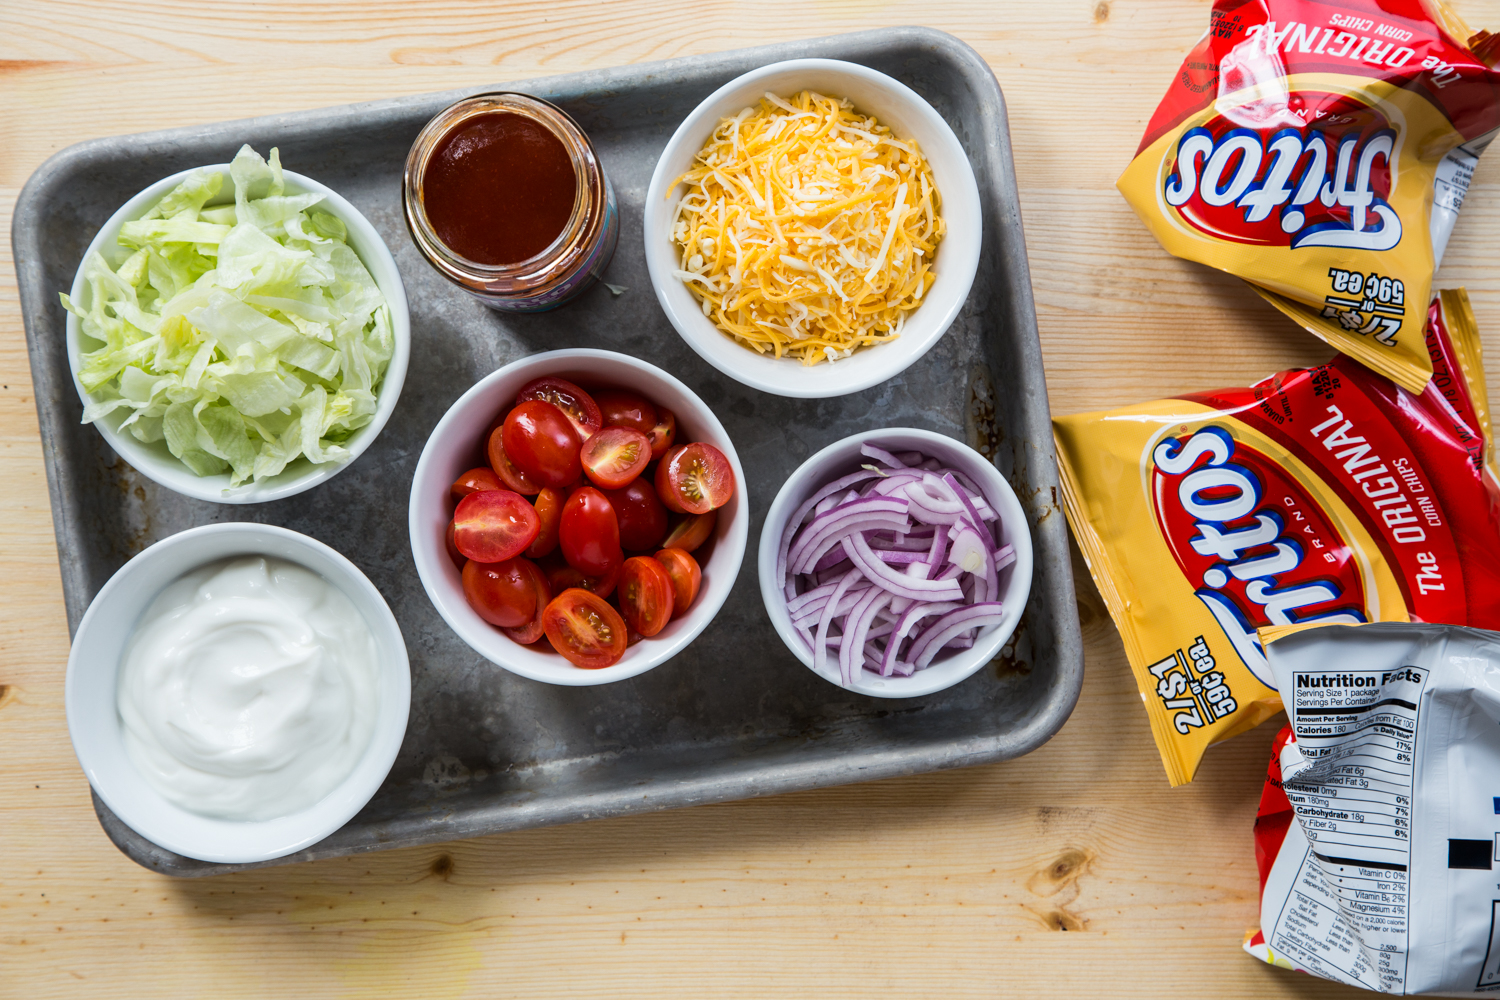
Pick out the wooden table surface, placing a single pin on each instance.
(1074, 870)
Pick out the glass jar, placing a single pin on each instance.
(570, 264)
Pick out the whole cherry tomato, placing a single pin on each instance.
(692, 531)
(622, 408)
(549, 505)
(494, 525)
(664, 491)
(542, 443)
(642, 518)
(686, 578)
(458, 557)
(475, 481)
(663, 433)
(586, 630)
(577, 405)
(615, 456)
(532, 631)
(646, 595)
(590, 533)
(698, 478)
(511, 476)
(502, 593)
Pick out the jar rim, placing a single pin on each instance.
(536, 270)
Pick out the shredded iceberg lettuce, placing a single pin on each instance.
(244, 335)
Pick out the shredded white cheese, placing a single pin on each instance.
(807, 229)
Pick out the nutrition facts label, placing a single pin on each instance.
(1352, 791)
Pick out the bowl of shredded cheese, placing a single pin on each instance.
(812, 228)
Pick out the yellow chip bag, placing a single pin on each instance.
(1324, 494)
(1320, 149)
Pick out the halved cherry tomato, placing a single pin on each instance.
(532, 631)
(664, 491)
(502, 593)
(686, 578)
(642, 518)
(474, 481)
(458, 557)
(511, 476)
(542, 443)
(615, 456)
(583, 628)
(561, 576)
(646, 595)
(698, 477)
(579, 407)
(549, 505)
(621, 408)
(494, 525)
(662, 434)
(590, 533)
(693, 532)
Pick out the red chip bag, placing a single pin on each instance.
(1324, 494)
(1320, 149)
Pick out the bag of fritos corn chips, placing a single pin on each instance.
(1325, 494)
(1320, 149)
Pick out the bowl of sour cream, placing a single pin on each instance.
(237, 692)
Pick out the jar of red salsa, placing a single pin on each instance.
(505, 196)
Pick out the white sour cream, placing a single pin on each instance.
(247, 690)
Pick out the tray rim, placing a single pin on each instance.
(1054, 707)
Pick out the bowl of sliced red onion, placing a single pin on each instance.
(896, 562)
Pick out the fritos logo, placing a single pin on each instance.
(1258, 550)
(1311, 170)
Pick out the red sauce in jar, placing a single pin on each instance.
(499, 188)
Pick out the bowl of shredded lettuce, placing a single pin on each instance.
(238, 332)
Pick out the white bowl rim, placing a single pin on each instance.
(960, 256)
(173, 474)
(152, 818)
(461, 618)
(935, 677)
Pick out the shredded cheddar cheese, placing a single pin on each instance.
(808, 230)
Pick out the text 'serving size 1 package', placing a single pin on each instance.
(1324, 494)
(1378, 838)
(1320, 149)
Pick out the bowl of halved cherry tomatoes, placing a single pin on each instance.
(578, 517)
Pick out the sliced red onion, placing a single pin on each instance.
(813, 612)
(896, 582)
(831, 558)
(899, 557)
(912, 615)
(858, 515)
(905, 543)
(826, 619)
(881, 455)
(885, 549)
(896, 481)
(1004, 556)
(795, 521)
(860, 617)
(832, 574)
(949, 626)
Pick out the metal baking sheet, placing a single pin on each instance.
(735, 715)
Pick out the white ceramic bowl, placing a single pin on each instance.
(893, 104)
(842, 458)
(450, 452)
(154, 461)
(94, 721)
